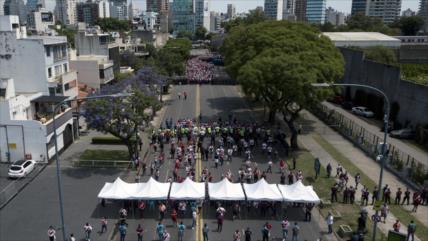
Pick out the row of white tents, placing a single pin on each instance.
(223, 190)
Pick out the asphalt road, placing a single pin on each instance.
(28, 216)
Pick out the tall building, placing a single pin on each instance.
(33, 5)
(274, 9)
(40, 20)
(408, 13)
(183, 16)
(359, 7)
(215, 21)
(289, 10)
(231, 11)
(334, 17)
(315, 11)
(119, 9)
(202, 14)
(423, 12)
(387, 10)
(152, 6)
(300, 10)
(16, 7)
(65, 11)
(89, 12)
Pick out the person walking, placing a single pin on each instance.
(51, 233)
(284, 226)
(122, 231)
(384, 210)
(237, 235)
(406, 198)
(166, 236)
(220, 219)
(411, 229)
(159, 230)
(72, 238)
(88, 230)
(140, 231)
(329, 169)
(162, 209)
(174, 216)
(295, 232)
(181, 228)
(266, 232)
(330, 220)
(103, 225)
(205, 231)
(248, 234)
(194, 215)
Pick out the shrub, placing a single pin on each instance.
(108, 140)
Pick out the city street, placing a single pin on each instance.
(28, 215)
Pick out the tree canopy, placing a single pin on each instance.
(409, 26)
(113, 24)
(253, 16)
(200, 33)
(276, 61)
(171, 59)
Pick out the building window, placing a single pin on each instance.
(65, 68)
(66, 86)
(48, 51)
(49, 72)
(58, 70)
(51, 90)
(101, 74)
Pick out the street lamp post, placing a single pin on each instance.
(384, 145)
(58, 173)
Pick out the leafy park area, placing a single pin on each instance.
(417, 73)
(114, 155)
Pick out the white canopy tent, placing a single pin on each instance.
(297, 192)
(262, 191)
(152, 190)
(187, 190)
(225, 190)
(118, 190)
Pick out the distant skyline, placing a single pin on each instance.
(245, 5)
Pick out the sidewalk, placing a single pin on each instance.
(359, 159)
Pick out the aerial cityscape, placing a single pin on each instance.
(214, 120)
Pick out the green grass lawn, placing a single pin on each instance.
(399, 212)
(322, 185)
(108, 155)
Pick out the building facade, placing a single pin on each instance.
(202, 14)
(423, 12)
(231, 11)
(65, 11)
(215, 21)
(359, 7)
(408, 13)
(334, 17)
(300, 10)
(274, 9)
(87, 12)
(387, 10)
(183, 16)
(315, 11)
(28, 95)
(119, 9)
(16, 7)
(40, 21)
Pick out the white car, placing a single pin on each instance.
(21, 168)
(362, 111)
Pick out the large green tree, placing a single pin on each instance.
(276, 62)
(409, 26)
(200, 33)
(113, 24)
(171, 59)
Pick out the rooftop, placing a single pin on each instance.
(48, 40)
(363, 39)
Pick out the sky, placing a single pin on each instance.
(245, 5)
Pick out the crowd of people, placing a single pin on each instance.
(199, 71)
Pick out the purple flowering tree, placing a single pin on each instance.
(121, 117)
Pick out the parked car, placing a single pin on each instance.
(21, 168)
(362, 111)
(405, 133)
(347, 105)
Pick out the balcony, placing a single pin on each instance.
(43, 109)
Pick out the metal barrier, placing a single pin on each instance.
(398, 162)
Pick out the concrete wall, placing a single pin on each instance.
(26, 54)
(87, 72)
(413, 54)
(411, 98)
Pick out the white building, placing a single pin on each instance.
(334, 17)
(215, 21)
(104, 9)
(66, 12)
(289, 9)
(34, 77)
(93, 70)
(202, 14)
(362, 39)
(40, 20)
(274, 9)
(150, 19)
